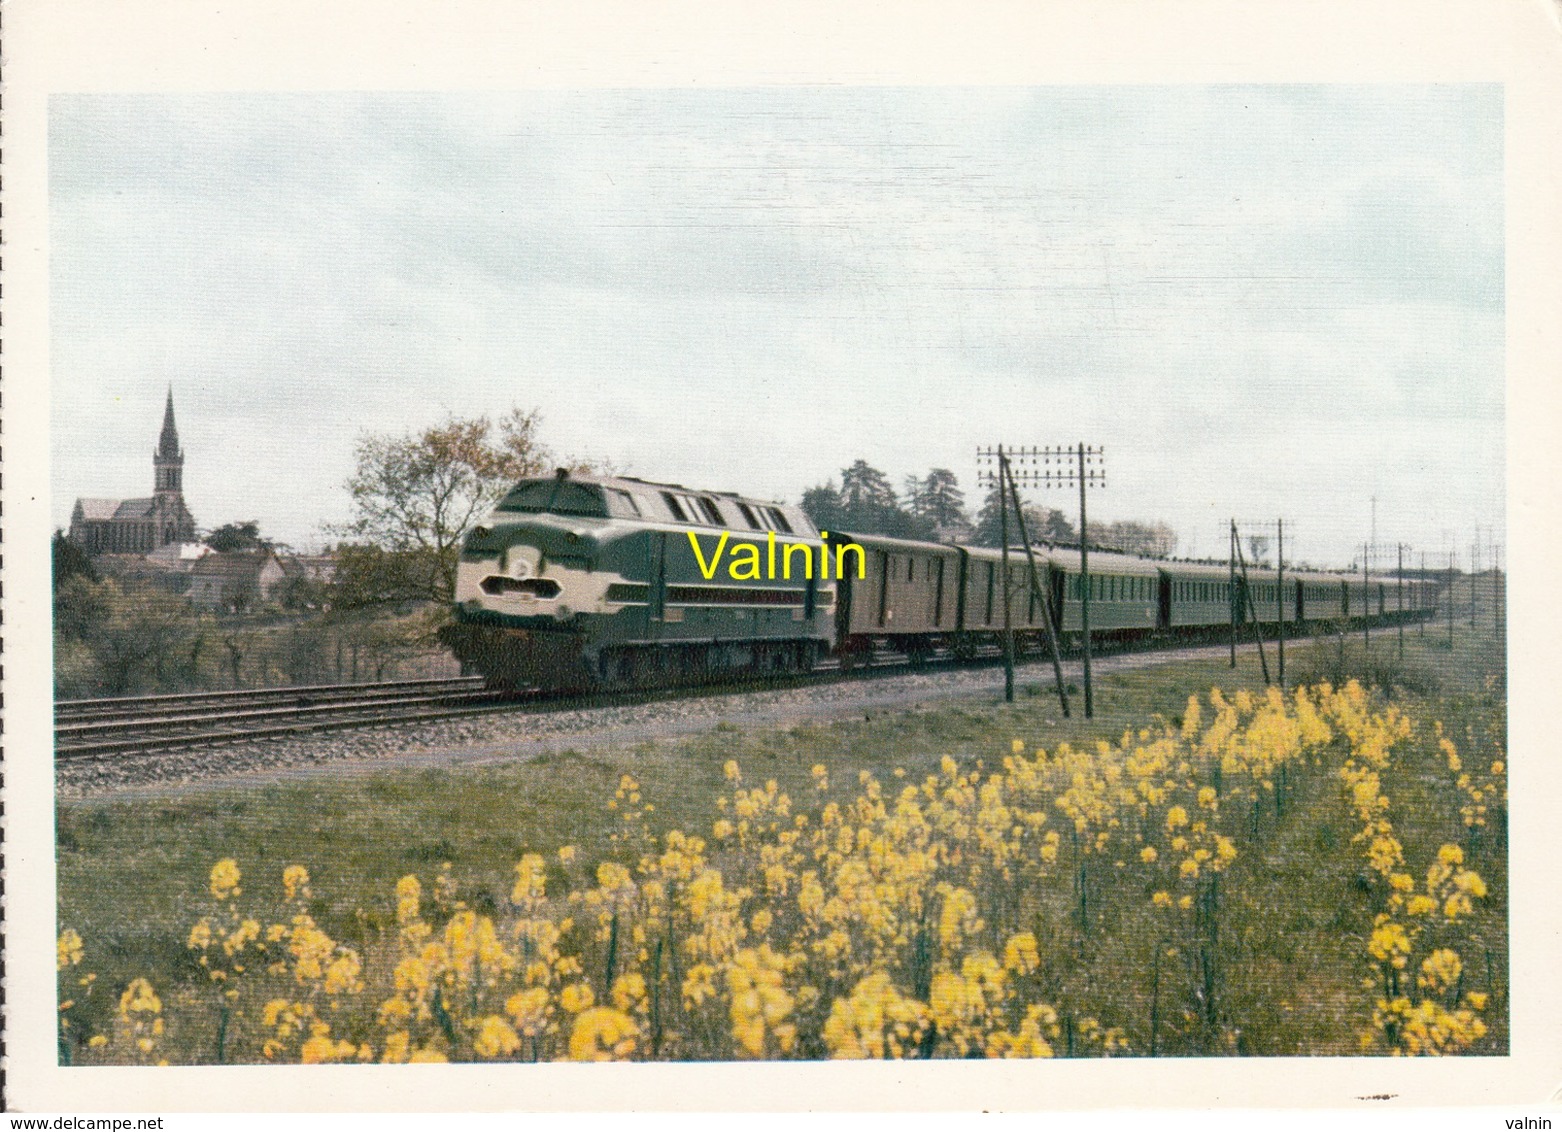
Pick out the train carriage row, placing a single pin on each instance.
(584, 581)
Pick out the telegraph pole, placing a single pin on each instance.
(1067, 466)
(1008, 493)
(1421, 589)
(1475, 568)
(1084, 573)
(1450, 599)
(1231, 596)
(1038, 594)
(1008, 630)
(1366, 599)
(1497, 587)
(1280, 599)
(1401, 601)
(1247, 602)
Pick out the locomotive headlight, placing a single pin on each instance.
(521, 562)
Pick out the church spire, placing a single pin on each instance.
(168, 442)
(168, 461)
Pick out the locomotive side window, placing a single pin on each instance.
(622, 504)
(672, 505)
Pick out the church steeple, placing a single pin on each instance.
(168, 460)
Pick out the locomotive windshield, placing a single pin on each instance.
(558, 497)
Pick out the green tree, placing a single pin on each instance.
(70, 561)
(940, 500)
(416, 495)
(1043, 524)
(823, 505)
(120, 639)
(865, 490)
(237, 537)
(1132, 537)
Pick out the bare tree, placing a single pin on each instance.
(415, 496)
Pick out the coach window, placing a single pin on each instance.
(748, 517)
(779, 520)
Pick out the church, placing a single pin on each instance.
(140, 526)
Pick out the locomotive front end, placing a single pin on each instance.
(532, 585)
(587, 582)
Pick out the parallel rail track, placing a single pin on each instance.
(85, 729)
(146, 725)
(131, 725)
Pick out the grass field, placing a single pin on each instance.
(1295, 920)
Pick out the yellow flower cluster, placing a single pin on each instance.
(1483, 785)
(901, 918)
(1443, 1018)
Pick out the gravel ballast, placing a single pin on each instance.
(528, 731)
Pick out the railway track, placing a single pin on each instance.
(129, 725)
(106, 728)
(86, 729)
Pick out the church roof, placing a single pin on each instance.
(98, 508)
(135, 509)
(121, 509)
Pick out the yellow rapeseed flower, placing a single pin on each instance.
(602, 1034)
(495, 1038)
(577, 997)
(68, 950)
(225, 879)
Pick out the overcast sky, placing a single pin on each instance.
(1262, 301)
